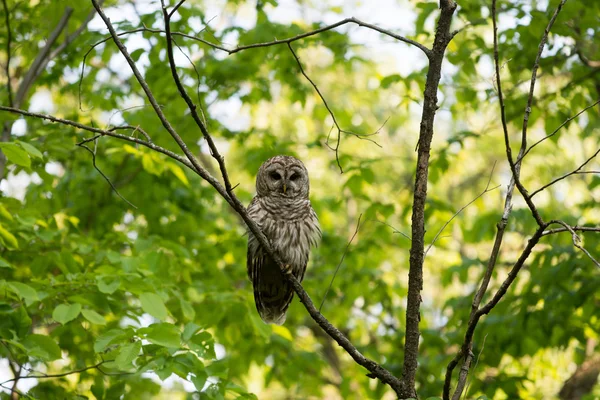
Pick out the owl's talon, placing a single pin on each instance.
(287, 269)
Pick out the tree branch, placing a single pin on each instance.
(48, 376)
(487, 189)
(41, 60)
(560, 178)
(575, 228)
(514, 166)
(103, 132)
(227, 193)
(557, 129)
(476, 312)
(8, 52)
(415, 276)
(335, 122)
(351, 20)
(576, 240)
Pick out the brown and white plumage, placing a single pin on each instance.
(283, 211)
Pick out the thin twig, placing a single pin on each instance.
(174, 10)
(339, 129)
(198, 81)
(47, 376)
(536, 65)
(93, 153)
(341, 261)
(575, 228)
(103, 132)
(390, 226)
(576, 240)
(560, 178)
(558, 129)
(487, 189)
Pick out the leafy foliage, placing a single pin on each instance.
(160, 291)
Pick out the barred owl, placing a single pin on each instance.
(283, 211)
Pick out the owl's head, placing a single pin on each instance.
(282, 176)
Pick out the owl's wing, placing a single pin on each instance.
(272, 293)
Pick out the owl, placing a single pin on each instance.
(282, 210)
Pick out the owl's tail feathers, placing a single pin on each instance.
(272, 293)
(272, 302)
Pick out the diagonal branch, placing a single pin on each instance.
(103, 132)
(72, 36)
(557, 129)
(228, 194)
(41, 60)
(560, 178)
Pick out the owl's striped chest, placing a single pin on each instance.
(290, 225)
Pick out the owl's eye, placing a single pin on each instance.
(275, 175)
(294, 176)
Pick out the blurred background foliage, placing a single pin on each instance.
(158, 293)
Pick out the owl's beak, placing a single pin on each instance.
(284, 188)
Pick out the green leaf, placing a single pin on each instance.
(108, 285)
(127, 354)
(98, 387)
(111, 337)
(24, 291)
(8, 238)
(16, 154)
(187, 309)
(178, 172)
(189, 330)
(42, 347)
(93, 317)
(199, 380)
(66, 312)
(31, 150)
(5, 214)
(162, 334)
(5, 264)
(154, 305)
